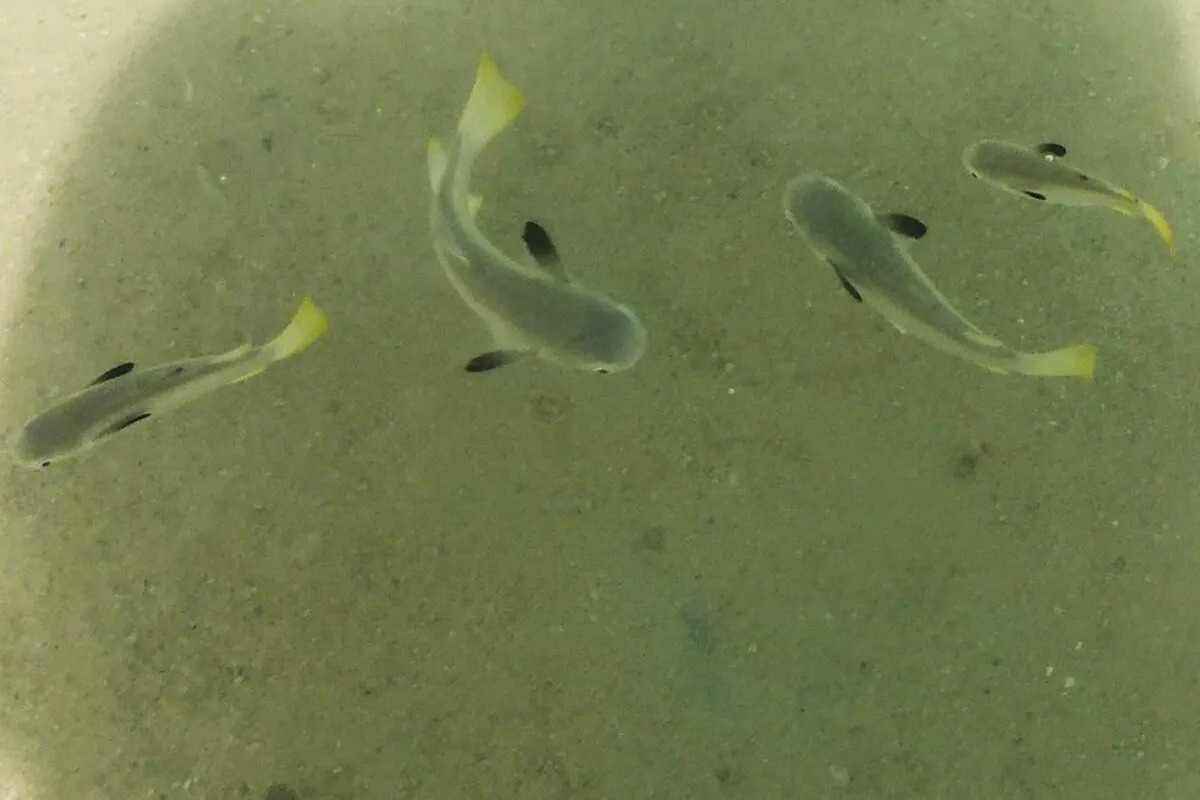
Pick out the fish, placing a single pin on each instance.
(868, 252)
(124, 396)
(532, 308)
(1041, 174)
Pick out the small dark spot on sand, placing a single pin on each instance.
(268, 142)
(549, 153)
(722, 774)
(1117, 568)
(968, 459)
(759, 158)
(654, 538)
(280, 791)
(548, 408)
(606, 126)
(699, 627)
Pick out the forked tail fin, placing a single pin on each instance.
(1069, 362)
(493, 105)
(308, 324)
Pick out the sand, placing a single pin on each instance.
(792, 554)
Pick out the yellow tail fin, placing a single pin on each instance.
(1160, 224)
(1069, 362)
(308, 325)
(494, 103)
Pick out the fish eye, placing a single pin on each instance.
(600, 371)
(45, 464)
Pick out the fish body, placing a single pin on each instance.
(1040, 173)
(867, 252)
(124, 395)
(529, 309)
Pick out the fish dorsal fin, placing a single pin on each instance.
(1050, 150)
(541, 247)
(115, 372)
(904, 225)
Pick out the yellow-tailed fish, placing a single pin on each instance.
(867, 252)
(123, 395)
(1041, 174)
(529, 309)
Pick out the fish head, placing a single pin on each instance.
(838, 226)
(813, 202)
(1026, 171)
(810, 190)
(608, 338)
(92, 415)
(42, 441)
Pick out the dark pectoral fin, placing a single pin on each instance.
(485, 362)
(115, 372)
(125, 422)
(539, 243)
(541, 247)
(849, 287)
(904, 225)
(1034, 195)
(1051, 150)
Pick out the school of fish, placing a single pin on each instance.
(535, 308)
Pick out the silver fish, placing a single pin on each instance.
(1041, 174)
(529, 309)
(866, 252)
(123, 396)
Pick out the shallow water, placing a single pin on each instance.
(791, 554)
